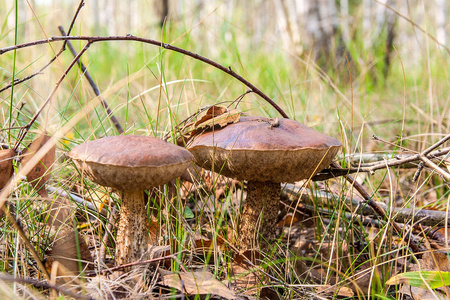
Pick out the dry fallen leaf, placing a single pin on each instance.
(70, 250)
(334, 290)
(435, 261)
(207, 246)
(58, 211)
(247, 277)
(420, 294)
(40, 174)
(197, 283)
(6, 166)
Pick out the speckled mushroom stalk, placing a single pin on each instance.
(259, 215)
(265, 152)
(132, 238)
(131, 164)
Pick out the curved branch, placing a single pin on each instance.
(130, 37)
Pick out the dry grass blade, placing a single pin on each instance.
(40, 173)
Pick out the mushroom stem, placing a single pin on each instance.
(259, 215)
(132, 235)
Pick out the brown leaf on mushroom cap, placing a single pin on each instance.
(131, 162)
(40, 173)
(216, 122)
(214, 117)
(212, 112)
(257, 148)
(6, 166)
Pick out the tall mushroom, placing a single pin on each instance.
(265, 152)
(131, 164)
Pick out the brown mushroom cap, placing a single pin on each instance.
(285, 151)
(130, 162)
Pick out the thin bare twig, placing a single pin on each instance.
(435, 167)
(418, 171)
(93, 85)
(27, 127)
(432, 165)
(80, 6)
(426, 217)
(424, 159)
(392, 144)
(379, 210)
(130, 37)
(434, 146)
(17, 81)
(371, 167)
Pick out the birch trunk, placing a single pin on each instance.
(441, 12)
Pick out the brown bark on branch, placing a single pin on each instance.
(372, 167)
(130, 37)
(425, 217)
(380, 211)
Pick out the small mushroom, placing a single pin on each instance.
(265, 155)
(131, 164)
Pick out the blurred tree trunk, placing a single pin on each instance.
(96, 11)
(344, 11)
(382, 35)
(162, 9)
(390, 18)
(329, 47)
(367, 22)
(441, 13)
(289, 31)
